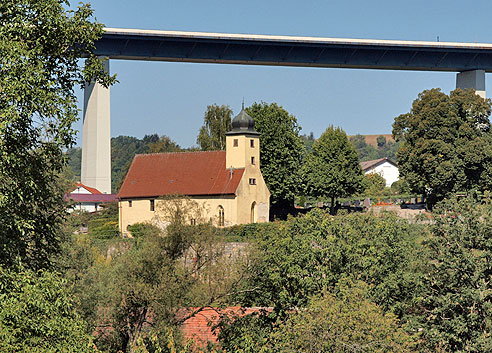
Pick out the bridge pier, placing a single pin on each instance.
(96, 137)
(472, 79)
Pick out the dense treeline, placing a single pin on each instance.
(123, 149)
(41, 44)
(323, 281)
(366, 152)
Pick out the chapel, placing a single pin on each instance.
(227, 186)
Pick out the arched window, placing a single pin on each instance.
(221, 216)
(253, 212)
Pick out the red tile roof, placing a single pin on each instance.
(180, 173)
(88, 188)
(199, 327)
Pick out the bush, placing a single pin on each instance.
(105, 229)
(139, 230)
(243, 232)
(345, 321)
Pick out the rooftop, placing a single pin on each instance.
(180, 173)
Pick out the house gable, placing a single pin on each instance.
(384, 167)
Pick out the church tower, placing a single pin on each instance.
(243, 143)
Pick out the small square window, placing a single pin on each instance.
(252, 181)
(253, 160)
(236, 142)
(130, 203)
(152, 205)
(252, 143)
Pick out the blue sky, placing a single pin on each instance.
(171, 98)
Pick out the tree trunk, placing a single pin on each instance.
(332, 205)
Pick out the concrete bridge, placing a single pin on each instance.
(469, 60)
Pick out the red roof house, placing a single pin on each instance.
(86, 198)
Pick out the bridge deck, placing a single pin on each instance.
(248, 49)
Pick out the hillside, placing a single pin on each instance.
(372, 139)
(368, 148)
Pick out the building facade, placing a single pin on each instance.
(87, 199)
(223, 188)
(384, 167)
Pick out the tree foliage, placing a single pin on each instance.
(302, 258)
(367, 152)
(151, 284)
(308, 141)
(332, 168)
(216, 122)
(342, 322)
(37, 314)
(374, 184)
(457, 305)
(446, 143)
(281, 151)
(40, 45)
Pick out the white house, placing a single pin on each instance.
(85, 198)
(384, 167)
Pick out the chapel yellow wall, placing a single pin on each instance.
(240, 157)
(247, 194)
(208, 209)
(138, 213)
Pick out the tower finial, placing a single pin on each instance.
(243, 103)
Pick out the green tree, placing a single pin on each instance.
(41, 43)
(366, 152)
(381, 140)
(164, 144)
(152, 283)
(37, 314)
(303, 257)
(332, 169)
(343, 322)
(457, 306)
(374, 184)
(281, 151)
(446, 143)
(216, 122)
(74, 156)
(308, 141)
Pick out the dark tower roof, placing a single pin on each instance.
(243, 124)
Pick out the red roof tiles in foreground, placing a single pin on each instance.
(181, 173)
(199, 327)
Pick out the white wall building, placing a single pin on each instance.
(384, 167)
(85, 198)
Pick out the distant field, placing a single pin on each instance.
(372, 139)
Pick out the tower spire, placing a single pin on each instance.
(243, 103)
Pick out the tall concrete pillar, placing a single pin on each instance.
(472, 79)
(96, 137)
